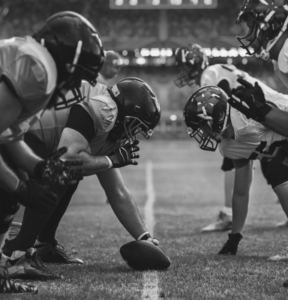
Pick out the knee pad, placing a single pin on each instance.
(8, 209)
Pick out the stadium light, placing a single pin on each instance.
(173, 118)
(141, 61)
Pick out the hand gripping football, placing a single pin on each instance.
(144, 255)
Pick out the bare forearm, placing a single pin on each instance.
(127, 213)
(91, 164)
(8, 179)
(22, 156)
(277, 121)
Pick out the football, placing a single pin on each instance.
(144, 255)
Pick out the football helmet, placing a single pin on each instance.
(138, 110)
(206, 114)
(267, 20)
(193, 61)
(77, 50)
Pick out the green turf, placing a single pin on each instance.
(189, 193)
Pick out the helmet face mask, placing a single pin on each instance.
(132, 126)
(193, 61)
(206, 115)
(77, 50)
(266, 20)
(138, 110)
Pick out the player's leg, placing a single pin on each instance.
(277, 176)
(24, 262)
(47, 246)
(224, 219)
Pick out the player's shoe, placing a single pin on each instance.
(281, 256)
(10, 286)
(231, 246)
(29, 266)
(283, 224)
(56, 254)
(223, 223)
(14, 230)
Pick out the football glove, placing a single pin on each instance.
(147, 237)
(34, 196)
(56, 171)
(250, 100)
(231, 246)
(125, 155)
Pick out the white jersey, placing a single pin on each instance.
(102, 110)
(281, 67)
(252, 140)
(32, 72)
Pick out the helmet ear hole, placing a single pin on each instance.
(137, 108)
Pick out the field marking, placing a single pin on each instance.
(150, 279)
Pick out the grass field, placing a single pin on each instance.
(188, 187)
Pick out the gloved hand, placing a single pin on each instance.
(123, 156)
(250, 100)
(56, 171)
(231, 246)
(148, 237)
(34, 196)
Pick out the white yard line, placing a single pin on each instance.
(150, 279)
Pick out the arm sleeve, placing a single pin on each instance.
(81, 121)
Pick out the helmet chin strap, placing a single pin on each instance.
(264, 53)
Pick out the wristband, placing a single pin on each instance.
(110, 162)
(146, 235)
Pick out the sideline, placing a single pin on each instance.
(150, 279)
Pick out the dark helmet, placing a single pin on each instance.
(138, 109)
(267, 20)
(193, 61)
(206, 114)
(77, 50)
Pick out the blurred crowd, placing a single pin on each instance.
(21, 17)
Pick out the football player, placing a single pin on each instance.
(211, 121)
(266, 38)
(35, 73)
(111, 67)
(101, 132)
(197, 72)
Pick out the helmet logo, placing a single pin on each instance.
(115, 90)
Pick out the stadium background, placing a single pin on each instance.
(147, 39)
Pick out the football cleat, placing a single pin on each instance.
(231, 246)
(283, 224)
(9, 286)
(56, 254)
(223, 223)
(281, 256)
(29, 266)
